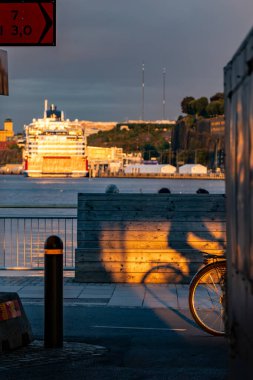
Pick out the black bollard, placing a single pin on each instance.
(53, 292)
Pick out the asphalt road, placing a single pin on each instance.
(140, 344)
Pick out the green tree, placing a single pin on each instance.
(221, 107)
(192, 109)
(202, 157)
(217, 97)
(185, 104)
(213, 108)
(149, 151)
(200, 106)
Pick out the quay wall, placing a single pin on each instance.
(212, 176)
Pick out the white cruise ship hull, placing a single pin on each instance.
(55, 147)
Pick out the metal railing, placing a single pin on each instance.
(22, 240)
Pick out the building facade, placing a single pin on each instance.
(7, 132)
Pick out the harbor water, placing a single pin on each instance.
(18, 190)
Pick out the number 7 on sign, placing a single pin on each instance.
(27, 23)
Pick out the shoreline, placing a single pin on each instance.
(212, 176)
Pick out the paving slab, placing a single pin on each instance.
(168, 289)
(129, 301)
(102, 295)
(32, 292)
(10, 288)
(161, 298)
(99, 286)
(183, 296)
(71, 292)
(129, 291)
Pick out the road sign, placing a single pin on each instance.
(27, 23)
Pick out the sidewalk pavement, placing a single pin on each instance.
(30, 288)
(149, 355)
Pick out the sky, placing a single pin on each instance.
(95, 70)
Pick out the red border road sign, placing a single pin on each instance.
(28, 23)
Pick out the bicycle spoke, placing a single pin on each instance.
(211, 277)
(206, 298)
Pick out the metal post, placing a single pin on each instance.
(53, 292)
(164, 84)
(143, 86)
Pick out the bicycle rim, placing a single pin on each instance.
(206, 298)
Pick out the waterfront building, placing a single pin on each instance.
(110, 160)
(7, 133)
(104, 159)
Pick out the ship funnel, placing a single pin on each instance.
(45, 108)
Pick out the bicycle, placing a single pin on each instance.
(207, 296)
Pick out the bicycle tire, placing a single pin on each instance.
(206, 297)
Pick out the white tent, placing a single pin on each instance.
(168, 169)
(141, 169)
(192, 169)
(149, 169)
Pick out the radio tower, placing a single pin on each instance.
(142, 99)
(164, 83)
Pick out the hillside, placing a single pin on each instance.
(10, 153)
(190, 140)
(151, 139)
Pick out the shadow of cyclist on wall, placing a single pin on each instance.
(197, 227)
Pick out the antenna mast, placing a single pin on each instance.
(164, 83)
(143, 85)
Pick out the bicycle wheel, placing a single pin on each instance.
(206, 297)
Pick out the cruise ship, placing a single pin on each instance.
(55, 147)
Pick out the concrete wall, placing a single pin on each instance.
(139, 238)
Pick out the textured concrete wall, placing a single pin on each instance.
(155, 238)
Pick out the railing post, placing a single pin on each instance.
(53, 292)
